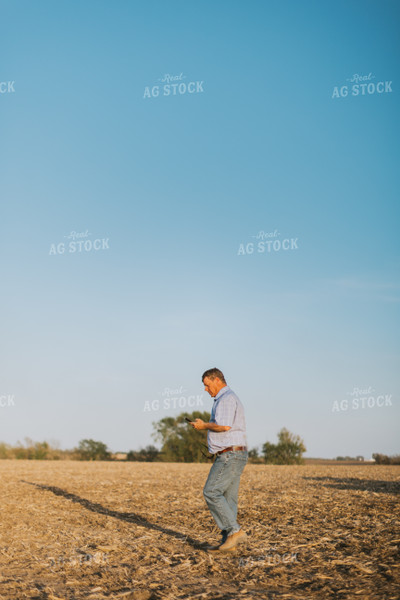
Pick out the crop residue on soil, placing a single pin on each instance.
(72, 530)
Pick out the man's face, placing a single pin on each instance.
(212, 386)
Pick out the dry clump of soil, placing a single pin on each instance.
(136, 531)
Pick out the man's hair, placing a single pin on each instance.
(212, 374)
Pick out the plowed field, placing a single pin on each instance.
(72, 530)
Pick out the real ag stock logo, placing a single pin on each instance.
(268, 242)
(171, 398)
(79, 242)
(361, 399)
(7, 87)
(6, 401)
(173, 85)
(362, 86)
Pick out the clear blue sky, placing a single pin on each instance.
(176, 187)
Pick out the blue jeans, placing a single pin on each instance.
(222, 487)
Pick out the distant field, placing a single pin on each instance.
(77, 530)
(332, 461)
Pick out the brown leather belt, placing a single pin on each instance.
(230, 448)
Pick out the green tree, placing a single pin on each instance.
(92, 450)
(254, 457)
(40, 450)
(288, 450)
(253, 453)
(148, 454)
(180, 441)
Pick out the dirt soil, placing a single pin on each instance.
(95, 530)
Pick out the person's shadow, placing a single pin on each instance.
(364, 485)
(128, 517)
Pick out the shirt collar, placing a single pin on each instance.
(221, 392)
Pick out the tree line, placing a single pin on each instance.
(383, 459)
(179, 443)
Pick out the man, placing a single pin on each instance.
(226, 436)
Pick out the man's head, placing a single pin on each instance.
(214, 381)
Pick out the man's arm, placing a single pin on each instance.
(200, 424)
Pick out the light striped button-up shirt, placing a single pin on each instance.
(227, 410)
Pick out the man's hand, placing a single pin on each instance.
(200, 424)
